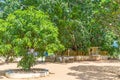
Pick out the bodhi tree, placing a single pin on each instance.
(81, 23)
(31, 29)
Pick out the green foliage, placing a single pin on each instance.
(81, 23)
(28, 3)
(109, 38)
(30, 29)
(9, 6)
(27, 61)
(4, 49)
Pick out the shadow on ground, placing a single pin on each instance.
(95, 72)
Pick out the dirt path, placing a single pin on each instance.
(86, 70)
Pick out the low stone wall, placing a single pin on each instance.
(61, 58)
(21, 75)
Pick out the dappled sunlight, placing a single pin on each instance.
(95, 72)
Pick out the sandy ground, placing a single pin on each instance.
(84, 70)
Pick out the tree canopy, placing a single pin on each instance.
(29, 29)
(80, 23)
